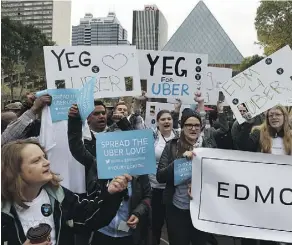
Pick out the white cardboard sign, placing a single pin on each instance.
(261, 86)
(214, 78)
(172, 74)
(242, 194)
(115, 69)
(152, 109)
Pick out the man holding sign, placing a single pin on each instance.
(129, 227)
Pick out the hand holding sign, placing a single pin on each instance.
(41, 102)
(118, 184)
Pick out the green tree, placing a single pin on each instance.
(249, 61)
(22, 53)
(274, 25)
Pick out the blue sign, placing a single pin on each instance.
(125, 152)
(85, 99)
(62, 100)
(182, 171)
(41, 93)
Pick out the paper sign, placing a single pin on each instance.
(115, 69)
(242, 194)
(182, 171)
(41, 93)
(62, 100)
(172, 74)
(128, 152)
(152, 109)
(261, 86)
(85, 99)
(210, 87)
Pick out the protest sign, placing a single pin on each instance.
(261, 86)
(62, 100)
(85, 99)
(214, 78)
(115, 69)
(172, 74)
(182, 171)
(152, 109)
(242, 194)
(130, 152)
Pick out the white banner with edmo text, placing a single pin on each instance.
(242, 194)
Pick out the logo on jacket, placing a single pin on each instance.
(46, 209)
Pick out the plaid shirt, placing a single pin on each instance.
(16, 130)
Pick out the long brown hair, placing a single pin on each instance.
(11, 181)
(266, 129)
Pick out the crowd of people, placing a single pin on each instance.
(126, 210)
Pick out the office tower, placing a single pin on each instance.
(99, 31)
(202, 34)
(52, 17)
(150, 28)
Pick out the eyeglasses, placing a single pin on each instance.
(191, 126)
(276, 115)
(98, 113)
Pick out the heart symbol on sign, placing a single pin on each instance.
(115, 62)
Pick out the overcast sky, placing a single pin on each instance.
(235, 16)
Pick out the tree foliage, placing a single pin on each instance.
(274, 25)
(22, 57)
(249, 61)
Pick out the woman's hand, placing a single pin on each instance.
(118, 184)
(189, 155)
(133, 221)
(198, 98)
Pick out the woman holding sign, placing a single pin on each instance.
(274, 136)
(178, 218)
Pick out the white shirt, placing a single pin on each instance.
(33, 216)
(278, 147)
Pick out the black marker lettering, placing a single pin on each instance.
(58, 58)
(69, 61)
(165, 59)
(152, 63)
(84, 62)
(183, 72)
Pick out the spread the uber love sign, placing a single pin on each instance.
(172, 74)
(115, 69)
(130, 152)
(242, 194)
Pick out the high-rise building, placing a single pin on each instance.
(150, 28)
(52, 17)
(99, 31)
(201, 33)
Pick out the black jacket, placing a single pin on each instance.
(140, 201)
(72, 214)
(165, 170)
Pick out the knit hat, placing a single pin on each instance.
(186, 114)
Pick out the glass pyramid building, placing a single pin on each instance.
(202, 34)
